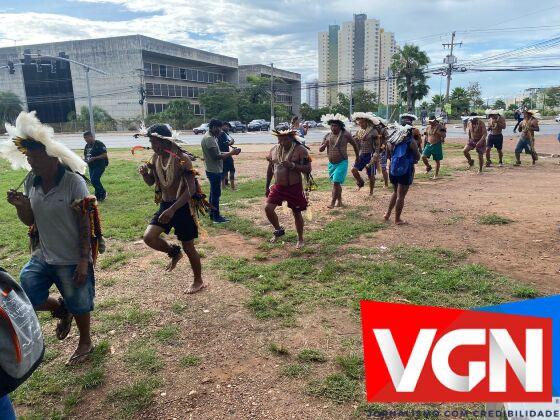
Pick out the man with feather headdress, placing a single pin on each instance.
(58, 208)
(336, 143)
(172, 174)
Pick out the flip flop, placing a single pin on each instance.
(78, 358)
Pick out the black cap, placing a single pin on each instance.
(474, 114)
(161, 129)
(215, 123)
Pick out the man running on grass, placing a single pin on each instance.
(434, 137)
(287, 161)
(60, 234)
(171, 171)
(496, 123)
(336, 143)
(367, 138)
(476, 130)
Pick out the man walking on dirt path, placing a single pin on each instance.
(367, 138)
(496, 123)
(434, 137)
(404, 154)
(171, 172)
(225, 142)
(287, 162)
(526, 142)
(336, 143)
(476, 130)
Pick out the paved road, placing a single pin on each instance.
(125, 140)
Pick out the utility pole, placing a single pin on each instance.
(387, 80)
(271, 96)
(350, 100)
(450, 60)
(91, 123)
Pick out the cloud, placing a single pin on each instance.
(285, 32)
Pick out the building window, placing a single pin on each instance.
(164, 90)
(149, 89)
(184, 91)
(157, 89)
(148, 69)
(171, 89)
(183, 74)
(195, 92)
(151, 109)
(201, 76)
(162, 70)
(191, 92)
(155, 70)
(176, 73)
(197, 110)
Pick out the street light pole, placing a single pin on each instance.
(91, 123)
(271, 96)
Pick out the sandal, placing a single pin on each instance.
(78, 358)
(65, 318)
(277, 234)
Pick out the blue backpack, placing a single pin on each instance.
(402, 159)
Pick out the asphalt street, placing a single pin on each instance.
(125, 140)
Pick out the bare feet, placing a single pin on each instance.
(173, 263)
(435, 177)
(197, 286)
(401, 222)
(386, 217)
(339, 204)
(300, 244)
(428, 168)
(330, 206)
(80, 355)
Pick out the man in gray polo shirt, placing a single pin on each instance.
(213, 162)
(62, 254)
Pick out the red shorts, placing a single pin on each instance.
(293, 194)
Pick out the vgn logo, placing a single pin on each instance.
(428, 354)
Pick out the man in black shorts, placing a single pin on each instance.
(496, 123)
(171, 171)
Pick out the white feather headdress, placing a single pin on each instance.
(494, 112)
(28, 127)
(334, 117)
(366, 116)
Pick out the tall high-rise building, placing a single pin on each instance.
(312, 88)
(355, 56)
(388, 47)
(328, 65)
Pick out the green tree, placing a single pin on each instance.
(307, 113)
(342, 106)
(512, 107)
(437, 101)
(179, 113)
(99, 115)
(10, 107)
(527, 102)
(281, 113)
(459, 101)
(221, 101)
(474, 92)
(254, 99)
(499, 104)
(552, 97)
(364, 101)
(408, 66)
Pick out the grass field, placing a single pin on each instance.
(331, 272)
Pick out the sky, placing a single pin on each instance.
(285, 32)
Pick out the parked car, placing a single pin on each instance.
(201, 129)
(238, 127)
(282, 126)
(557, 118)
(311, 124)
(320, 125)
(258, 125)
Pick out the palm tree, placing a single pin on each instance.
(10, 106)
(438, 100)
(408, 66)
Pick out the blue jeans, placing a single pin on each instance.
(37, 277)
(95, 175)
(215, 179)
(6, 409)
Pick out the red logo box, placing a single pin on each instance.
(429, 354)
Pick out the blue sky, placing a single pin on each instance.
(285, 31)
